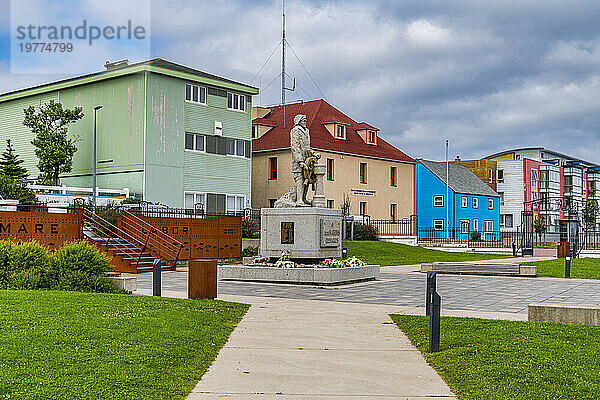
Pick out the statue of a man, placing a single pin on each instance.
(300, 145)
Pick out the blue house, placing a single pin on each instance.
(471, 205)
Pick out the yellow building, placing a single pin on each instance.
(377, 178)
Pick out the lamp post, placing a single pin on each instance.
(94, 173)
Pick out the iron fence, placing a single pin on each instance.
(400, 227)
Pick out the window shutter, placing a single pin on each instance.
(221, 145)
(211, 144)
(248, 148)
(221, 203)
(211, 203)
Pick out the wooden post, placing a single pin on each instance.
(202, 279)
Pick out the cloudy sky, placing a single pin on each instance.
(488, 75)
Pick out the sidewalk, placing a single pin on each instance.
(317, 350)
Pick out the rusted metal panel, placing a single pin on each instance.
(48, 229)
(207, 238)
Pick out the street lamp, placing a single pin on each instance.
(94, 174)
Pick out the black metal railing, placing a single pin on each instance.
(399, 227)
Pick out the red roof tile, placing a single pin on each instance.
(319, 112)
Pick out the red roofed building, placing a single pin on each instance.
(378, 178)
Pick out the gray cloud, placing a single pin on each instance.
(487, 75)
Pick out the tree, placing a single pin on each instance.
(15, 189)
(590, 211)
(539, 226)
(10, 165)
(53, 148)
(345, 207)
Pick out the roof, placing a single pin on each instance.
(556, 153)
(318, 113)
(157, 65)
(461, 179)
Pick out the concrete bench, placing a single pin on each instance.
(127, 282)
(565, 313)
(501, 269)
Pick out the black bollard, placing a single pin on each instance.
(434, 323)
(514, 247)
(431, 286)
(567, 266)
(344, 253)
(156, 271)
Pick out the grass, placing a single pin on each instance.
(585, 268)
(385, 253)
(490, 359)
(70, 345)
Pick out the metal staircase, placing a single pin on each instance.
(134, 246)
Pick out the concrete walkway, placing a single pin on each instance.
(317, 350)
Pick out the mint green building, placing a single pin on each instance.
(169, 133)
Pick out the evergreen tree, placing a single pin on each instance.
(10, 164)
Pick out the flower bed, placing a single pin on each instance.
(335, 263)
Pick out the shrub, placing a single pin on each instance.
(131, 200)
(475, 235)
(362, 231)
(249, 228)
(250, 251)
(6, 249)
(82, 282)
(81, 256)
(23, 280)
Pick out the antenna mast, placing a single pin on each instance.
(283, 55)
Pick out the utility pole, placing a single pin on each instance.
(95, 163)
(283, 44)
(447, 191)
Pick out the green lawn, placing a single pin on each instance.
(70, 345)
(489, 359)
(586, 268)
(384, 253)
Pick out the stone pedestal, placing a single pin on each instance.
(306, 232)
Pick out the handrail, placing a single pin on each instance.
(164, 244)
(98, 224)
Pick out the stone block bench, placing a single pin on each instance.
(467, 268)
(565, 313)
(127, 282)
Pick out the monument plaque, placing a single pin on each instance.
(287, 233)
(331, 230)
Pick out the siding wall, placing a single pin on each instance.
(430, 185)
(512, 188)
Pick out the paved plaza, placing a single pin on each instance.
(401, 286)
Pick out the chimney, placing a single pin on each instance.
(457, 161)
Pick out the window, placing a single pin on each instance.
(518, 157)
(363, 173)
(490, 175)
(438, 224)
(272, 167)
(500, 176)
(254, 136)
(463, 225)
(393, 176)
(236, 102)
(272, 203)
(330, 169)
(534, 178)
(329, 203)
(235, 204)
(194, 200)
(490, 204)
(362, 208)
(371, 137)
(501, 194)
(392, 212)
(438, 201)
(195, 94)
(475, 224)
(475, 202)
(195, 142)
(235, 147)
(488, 226)
(506, 220)
(340, 131)
(464, 202)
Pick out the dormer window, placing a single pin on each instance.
(340, 132)
(371, 137)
